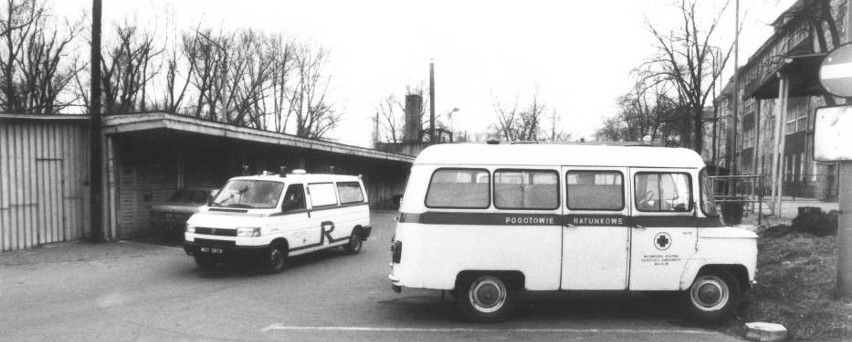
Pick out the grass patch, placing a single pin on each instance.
(797, 279)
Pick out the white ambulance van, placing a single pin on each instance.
(488, 221)
(268, 218)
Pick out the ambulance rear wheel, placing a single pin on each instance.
(713, 297)
(485, 299)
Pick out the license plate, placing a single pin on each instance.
(211, 250)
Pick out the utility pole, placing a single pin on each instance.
(736, 99)
(431, 101)
(95, 143)
(844, 220)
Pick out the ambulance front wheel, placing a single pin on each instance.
(485, 299)
(713, 297)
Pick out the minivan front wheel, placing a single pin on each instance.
(713, 297)
(485, 299)
(275, 258)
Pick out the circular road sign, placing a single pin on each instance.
(835, 72)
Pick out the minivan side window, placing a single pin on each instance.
(350, 192)
(322, 194)
(459, 188)
(663, 192)
(595, 190)
(294, 198)
(526, 189)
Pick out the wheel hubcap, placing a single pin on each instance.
(487, 294)
(709, 293)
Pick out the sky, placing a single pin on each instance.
(576, 55)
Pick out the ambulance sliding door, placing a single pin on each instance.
(663, 228)
(595, 234)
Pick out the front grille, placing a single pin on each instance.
(222, 243)
(215, 231)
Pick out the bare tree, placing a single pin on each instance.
(521, 125)
(177, 81)
(281, 53)
(646, 110)
(315, 116)
(128, 69)
(35, 66)
(685, 59)
(392, 116)
(555, 132)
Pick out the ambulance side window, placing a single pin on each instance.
(595, 190)
(459, 188)
(663, 192)
(526, 189)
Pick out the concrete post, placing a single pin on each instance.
(844, 219)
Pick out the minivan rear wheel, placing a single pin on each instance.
(485, 299)
(354, 245)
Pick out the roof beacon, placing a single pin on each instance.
(299, 172)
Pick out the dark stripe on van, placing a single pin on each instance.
(499, 219)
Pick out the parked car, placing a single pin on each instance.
(170, 217)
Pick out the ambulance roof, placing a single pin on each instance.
(555, 154)
(306, 177)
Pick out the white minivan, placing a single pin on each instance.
(488, 221)
(268, 218)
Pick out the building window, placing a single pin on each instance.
(797, 115)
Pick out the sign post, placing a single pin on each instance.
(830, 144)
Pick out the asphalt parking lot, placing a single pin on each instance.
(142, 291)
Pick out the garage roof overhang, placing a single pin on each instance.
(801, 71)
(127, 123)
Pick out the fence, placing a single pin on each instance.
(754, 194)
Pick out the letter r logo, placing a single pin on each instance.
(325, 233)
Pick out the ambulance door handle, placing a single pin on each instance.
(568, 225)
(639, 226)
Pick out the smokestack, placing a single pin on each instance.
(413, 105)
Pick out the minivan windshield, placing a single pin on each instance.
(250, 194)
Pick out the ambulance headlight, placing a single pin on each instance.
(248, 231)
(190, 228)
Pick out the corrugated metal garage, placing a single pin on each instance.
(44, 173)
